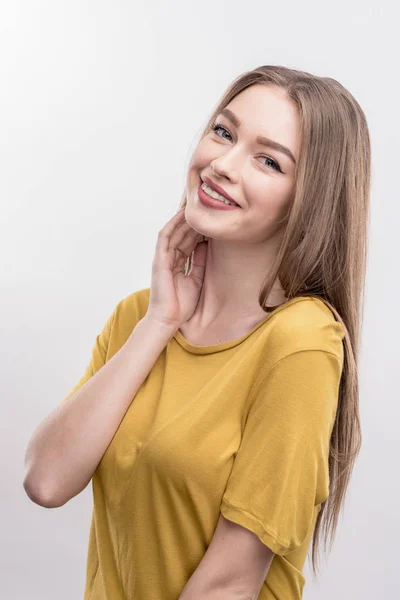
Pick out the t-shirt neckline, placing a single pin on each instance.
(210, 349)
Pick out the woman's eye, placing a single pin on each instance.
(273, 162)
(216, 127)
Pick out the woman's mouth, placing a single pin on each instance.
(212, 199)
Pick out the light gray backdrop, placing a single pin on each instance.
(101, 104)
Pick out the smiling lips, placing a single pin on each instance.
(218, 189)
(211, 202)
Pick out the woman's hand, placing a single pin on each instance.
(174, 295)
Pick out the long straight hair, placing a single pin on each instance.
(323, 252)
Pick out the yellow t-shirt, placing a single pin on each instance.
(242, 427)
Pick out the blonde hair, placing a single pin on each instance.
(324, 247)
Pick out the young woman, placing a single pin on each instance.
(218, 417)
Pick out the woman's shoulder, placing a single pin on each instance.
(131, 309)
(305, 323)
(138, 299)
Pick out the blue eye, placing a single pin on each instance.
(273, 162)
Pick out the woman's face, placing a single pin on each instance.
(259, 178)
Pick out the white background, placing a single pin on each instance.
(101, 105)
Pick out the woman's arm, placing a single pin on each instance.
(67, 446)
(234, 566)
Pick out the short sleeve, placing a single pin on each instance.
(280, 472)
(99, 354)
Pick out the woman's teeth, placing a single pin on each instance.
(215, 195)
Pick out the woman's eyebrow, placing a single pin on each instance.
(263, 141)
